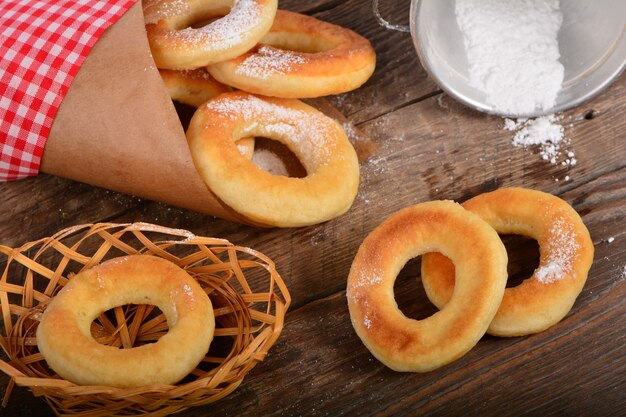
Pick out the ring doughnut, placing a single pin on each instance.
(301, 57)
(319, 143)
(566, 253)
(196, 87)
(176, 44)
(405, 344)
(64, 337)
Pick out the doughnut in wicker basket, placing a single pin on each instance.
(248, 295)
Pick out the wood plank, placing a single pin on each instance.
(543, 373)
(38, 207)
(399, 78)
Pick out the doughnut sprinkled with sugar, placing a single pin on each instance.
(319, 143)
(566, 253)
(301, 57)
(176, 43)
(64, 334)
(406, 344)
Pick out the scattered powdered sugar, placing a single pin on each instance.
(513, 57)
(512, 52)
(187, 290)
(338, 100)
(369, 315)
(268, 61)
(313, 149)
(376, 163)
(229, 30)
(351, 133)
(550, 272)
(156, 10)
(360, 285)
(251, 107)
(562, 249)
(545, 132)
(510, 124)
(307, 132)
(242, 148)
(367, 279)
(535, 131)
(361, 282)
(100, 280)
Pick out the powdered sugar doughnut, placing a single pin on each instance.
(64, 336)
(405, 344)
(566, 253)
(319, 143)
(301, 57)
(176, 44)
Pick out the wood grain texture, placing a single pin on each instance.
(427, 147)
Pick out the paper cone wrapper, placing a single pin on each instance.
(118, 129)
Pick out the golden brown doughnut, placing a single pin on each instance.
(405, 344)
(64, 337)
(566, 253)
(176, 43)
(300, 57)
(319, 143)
(196, 87)
(192, 87)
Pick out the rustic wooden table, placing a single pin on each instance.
(428, 147)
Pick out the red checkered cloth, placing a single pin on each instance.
(42, 45)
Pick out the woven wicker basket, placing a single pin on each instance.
(249, 297)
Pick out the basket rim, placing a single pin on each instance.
(278, 298)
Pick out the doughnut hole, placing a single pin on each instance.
(409, 292)
(523, 258)
(298, 42)
(201, 14)
(276, 158)
(523, 253)
(207, 21)
(269, 155)
(113, 328)
(298, 150)
(130, 325)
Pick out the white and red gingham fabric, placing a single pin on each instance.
(42, 45)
